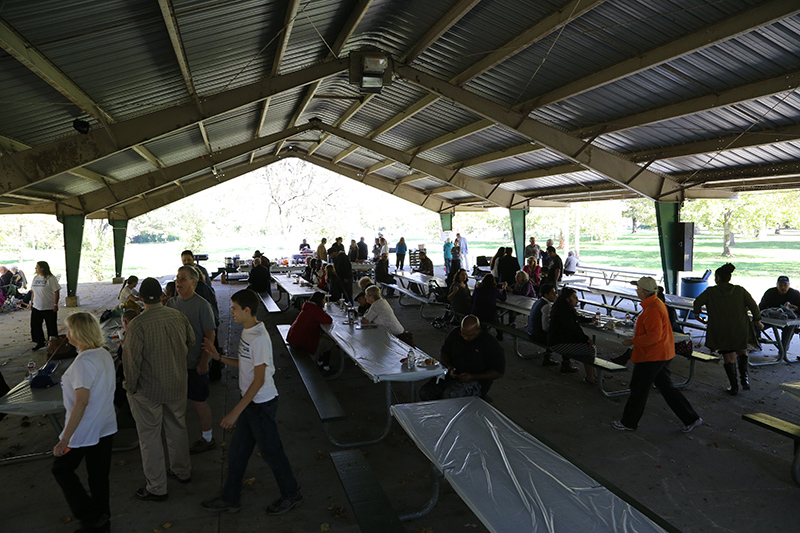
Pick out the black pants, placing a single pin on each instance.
(645, 375)
(401, 259)
(49, 317)
(86, 508)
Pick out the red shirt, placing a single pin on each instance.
(305, 328)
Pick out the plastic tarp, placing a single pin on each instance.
(376, 351)
(793, 389)
(295, 290)
(510, 480)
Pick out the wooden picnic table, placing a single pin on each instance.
(512, 481)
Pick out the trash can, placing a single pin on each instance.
(692, 288)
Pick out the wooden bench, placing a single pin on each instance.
(781, 427)
(324, 400)
(371, 507)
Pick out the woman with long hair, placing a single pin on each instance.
(45, 293)
(88, 393)
(567, 338)
(400, 251)
(729, 329)
(484, 302)
(459, 296)
(494, 263)
(128, 296)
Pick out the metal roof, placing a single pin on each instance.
(493, 102)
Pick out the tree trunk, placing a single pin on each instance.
(634, 224)
(727, 235)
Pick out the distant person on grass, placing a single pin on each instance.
(254, 418)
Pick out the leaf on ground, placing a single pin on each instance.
(123, 462)
(65, 519)
(166, 525)
(249, 482)
(325, 527)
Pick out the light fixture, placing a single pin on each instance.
(81, 126)
(371, 71)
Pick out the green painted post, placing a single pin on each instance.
(120, 228)
(668, 215)
(518, 233)
(447, 221)
(73, 238)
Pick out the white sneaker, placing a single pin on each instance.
(690, 427)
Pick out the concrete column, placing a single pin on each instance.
(668, 216)
(73, 239)
(120, 228)
(518, 233)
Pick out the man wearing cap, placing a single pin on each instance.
(781, 294)
(154, 362)
(653, 349)
(425, 264)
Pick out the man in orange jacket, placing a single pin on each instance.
(653, 349)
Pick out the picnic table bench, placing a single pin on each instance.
(611, 274)
(421, 300)
(512, 481)
(781, 427)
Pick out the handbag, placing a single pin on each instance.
(60, 348)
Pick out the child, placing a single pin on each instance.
(254, 415)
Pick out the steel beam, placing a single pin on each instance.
(124, 190)
(495, 195)
(741, 23)
(447, 21)
(171, 22)
(9, 145)
(22, 169)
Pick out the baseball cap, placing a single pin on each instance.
(150, 291)
(646, 283)
(783, 279)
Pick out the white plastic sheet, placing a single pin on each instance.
(510, 480)
(793, 389)
(295, 290)
(376, 351)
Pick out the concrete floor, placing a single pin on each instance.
(727, 475)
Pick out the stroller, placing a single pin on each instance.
(10, 298)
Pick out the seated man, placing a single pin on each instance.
(380, 312)
(5, 276)
(18, 278)
(425, 264)
(781, 294)
(474, 358)
(306, 332)
(539, 320)
(259, 280)
(361, 301)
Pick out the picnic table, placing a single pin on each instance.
(421, 281)
(281, 269)
(377, 353)
(611, 274)
(511, 480)
(295, 288)
(783, 331)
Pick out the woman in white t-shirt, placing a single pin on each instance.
(88, 392)
(45, 291)
(128, 296)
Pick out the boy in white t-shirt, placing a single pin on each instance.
(254, 415)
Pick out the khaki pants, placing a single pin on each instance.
(150, 417)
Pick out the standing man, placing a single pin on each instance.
(187, 259)
(201, 318)
(304, 245)
(154, 359)
(447, 252)
(474, 359)
(545, 256)
(653, 349)
(253, 418)
(531, 249)
(556, 267)
(462, 243)
(322, 250)
(343, 269)
(363, 251)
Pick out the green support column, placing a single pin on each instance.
(120, 228)
(447, 221)
(668, 215)
(518, 233)
(73, 239)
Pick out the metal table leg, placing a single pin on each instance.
(387, 426)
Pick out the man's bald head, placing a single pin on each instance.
(470, 327)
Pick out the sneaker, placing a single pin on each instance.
(173, 475)
(690, 427)
(218, 505)
(202, 445)
(616, 424)
(283, 506)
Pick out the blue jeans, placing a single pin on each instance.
(447, 263)
(257, 425)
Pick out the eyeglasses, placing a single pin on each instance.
(183, 278)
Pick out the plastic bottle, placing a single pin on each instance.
(411, 360)
(31, 369)
(627, 319)
(597, 318)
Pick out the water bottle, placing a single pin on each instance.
(627, 319)
(597, 318)
(411, 360)
(31, 369)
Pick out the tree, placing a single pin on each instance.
(641, 211)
